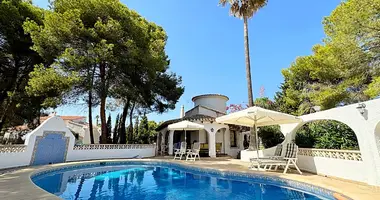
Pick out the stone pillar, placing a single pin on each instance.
(211, 143)
(241, 140)
(171, 135)
(227, 142)
(163, 138)
(158, 143)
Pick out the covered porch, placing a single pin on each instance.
(214, 138)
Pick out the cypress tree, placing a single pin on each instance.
(115, 137)
(109, 129)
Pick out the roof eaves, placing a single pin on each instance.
(190, 118)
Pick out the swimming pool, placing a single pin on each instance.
(163, 180)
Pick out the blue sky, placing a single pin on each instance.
(206, 45)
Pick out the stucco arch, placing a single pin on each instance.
(294, 132)
(362, 120)
(211, 131)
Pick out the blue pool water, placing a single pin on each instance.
(146, 182)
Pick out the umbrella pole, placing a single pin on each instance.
(257, 141)
(185, 136)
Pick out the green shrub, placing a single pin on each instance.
(326, 134)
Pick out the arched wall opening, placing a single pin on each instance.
(325, 134)
(326, 147)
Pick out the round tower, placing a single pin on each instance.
(216, 102)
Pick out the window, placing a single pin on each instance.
(233, 139)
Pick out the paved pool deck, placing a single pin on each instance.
(16, 185)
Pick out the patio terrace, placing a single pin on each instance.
(12, 182)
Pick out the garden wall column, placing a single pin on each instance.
(158, 142)
(241, 140)
(211, 143)
(227, 142)
(171, 135)
(163, 136)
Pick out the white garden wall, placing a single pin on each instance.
(16, 156)
(336, 163)
(345, 169)
(363, 119)
(21, 155)
(95, 152)
(342, 164)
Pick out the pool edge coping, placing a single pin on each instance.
(51, 168)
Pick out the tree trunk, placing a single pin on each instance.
(248, 63)
(90, 106)
(103, 96)
(90, 116)
(130, 131)
(2, 122)
(13, 82)
(252, 140)
(122, 131)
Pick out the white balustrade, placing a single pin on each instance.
(331, 153)
(12, 148)
(113, 146)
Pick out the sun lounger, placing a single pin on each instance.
(276, 156)
(289, 159)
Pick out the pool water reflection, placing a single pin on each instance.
(147, 182)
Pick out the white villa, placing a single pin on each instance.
(215, 138)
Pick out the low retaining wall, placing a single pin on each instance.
(14, 156)
(19, 155)
(52, 142)
(335, 163)
(110, 151)
(342, 164)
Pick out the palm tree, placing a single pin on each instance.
(245, 9)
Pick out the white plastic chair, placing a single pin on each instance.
(180, 152)
(194, 152)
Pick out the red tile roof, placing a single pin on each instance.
(67, 118)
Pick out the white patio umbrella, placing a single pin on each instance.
(256, 117)
(184, 126)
